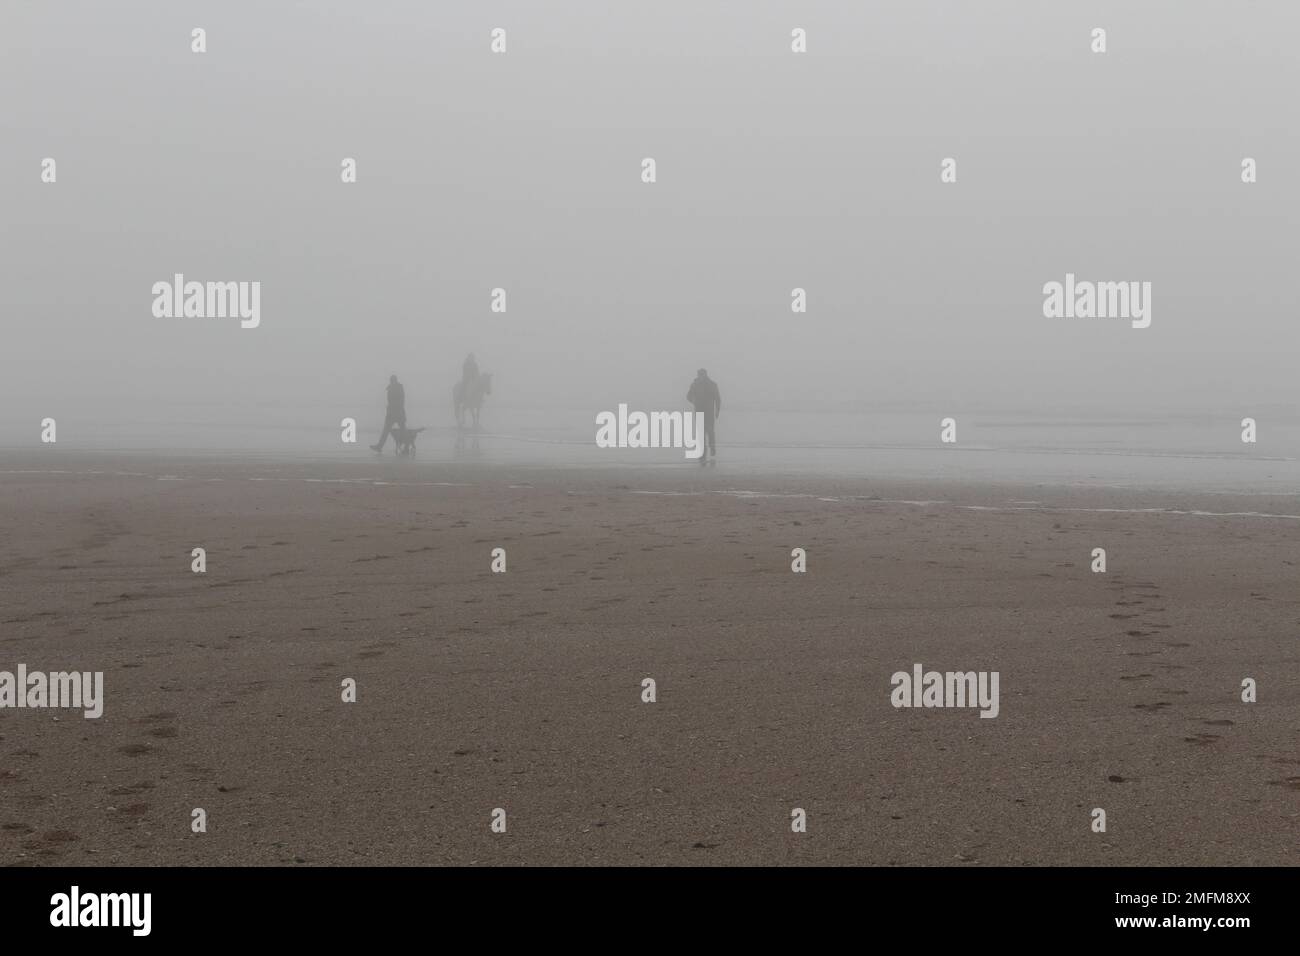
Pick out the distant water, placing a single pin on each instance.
(1203, 453)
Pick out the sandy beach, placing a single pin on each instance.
(523, 690)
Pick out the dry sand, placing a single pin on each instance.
(523, 690)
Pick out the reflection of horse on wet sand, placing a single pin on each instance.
(470, 399)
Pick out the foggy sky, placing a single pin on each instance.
(522, 170)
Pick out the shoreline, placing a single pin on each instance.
(681, 478)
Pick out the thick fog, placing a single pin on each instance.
(523, 171)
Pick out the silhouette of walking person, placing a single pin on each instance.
(396, 414)
(706, 398)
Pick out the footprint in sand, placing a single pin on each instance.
(135, 750)
(53, 838)
(1137, 676)
(1152, 708)
(1217, 723)
(1201, 740)
(116, 600)
(132, 789)
(1291, 783)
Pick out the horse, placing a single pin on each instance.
(473, 401)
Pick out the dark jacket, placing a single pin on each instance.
(704, 395)
(397, 398)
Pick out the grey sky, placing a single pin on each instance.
(775, 170)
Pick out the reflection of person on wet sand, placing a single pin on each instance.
(706, 398)
(396, 414)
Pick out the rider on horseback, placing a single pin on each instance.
(468, 393)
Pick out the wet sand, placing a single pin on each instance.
(522, 690)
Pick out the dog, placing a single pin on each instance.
(405, 439)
